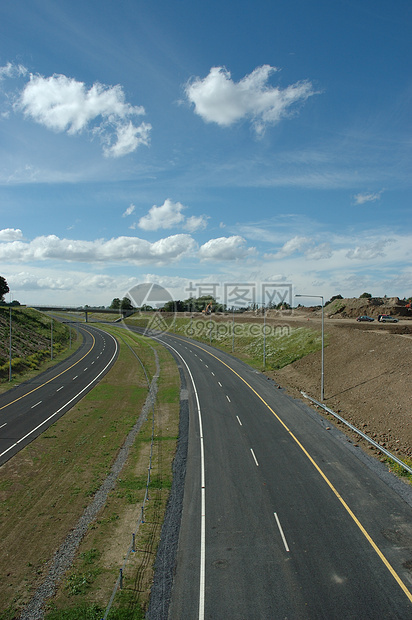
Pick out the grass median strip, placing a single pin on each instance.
(45, 488)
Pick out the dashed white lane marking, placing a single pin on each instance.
(253, 454)
(213, 373)
(228, 398)
(281, 532)
(85, 369)
(219, 383)
(33, 406)
(238, 419)
(75, 377)
(60, 388)
(5, 424)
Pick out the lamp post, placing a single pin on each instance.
(264, 337)
(10, 347)
(323, 349)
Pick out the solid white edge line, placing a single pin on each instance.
(202, 492)
(253, 454)
(281, 532)
(61, 408)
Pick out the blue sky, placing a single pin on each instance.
(185, 143)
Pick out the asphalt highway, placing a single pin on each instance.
(280, 518)
(28, 409)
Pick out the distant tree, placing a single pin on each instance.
(365, 296)
(115, 305)
(4, 288)
(126, 304)
(174, 306)
(333, 299)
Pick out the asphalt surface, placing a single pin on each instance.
(280, 517)
(30, 408)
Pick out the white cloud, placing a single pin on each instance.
(360, 199)
(218, 99)
(296, 244)
(129, 138)
(10, 234)
(225, 248)
(195, 222)
(369, 251)
(129, 250)
(12, 70)
(169, 215)
(129, 210)
(319, 252)
(64, 104)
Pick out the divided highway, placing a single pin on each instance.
(280, 519)
(27, 410)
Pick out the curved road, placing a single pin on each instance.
(28, 409)
(280, 519)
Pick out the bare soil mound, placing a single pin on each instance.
(367, 375)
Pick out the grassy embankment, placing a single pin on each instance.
(31, 344)
(283, 344)
(45, 488)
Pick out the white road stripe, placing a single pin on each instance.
(201, 614)
(61, 408)
(75, 377)
(40, 401)
(281, 532)
(219, 383)
(5, 424)
(228, 397)
(60, 388)
(253, 454)
(238, 419)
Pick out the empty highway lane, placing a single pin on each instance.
(27, 410)
(280, 518)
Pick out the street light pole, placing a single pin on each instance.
(323, 347)
(10, 347)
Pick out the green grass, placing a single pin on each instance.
(283, 344)
(30, 344)
(398, 470)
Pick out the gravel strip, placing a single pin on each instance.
(64, 556)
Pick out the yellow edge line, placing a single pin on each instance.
(52, 379)
(326, 479)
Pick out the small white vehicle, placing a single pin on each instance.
(387, 318)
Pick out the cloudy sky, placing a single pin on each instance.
(195, 144)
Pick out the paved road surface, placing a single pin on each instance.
(280, 518)
(27, 410)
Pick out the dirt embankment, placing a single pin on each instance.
(367, 377)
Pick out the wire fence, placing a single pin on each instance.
(132, 547)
